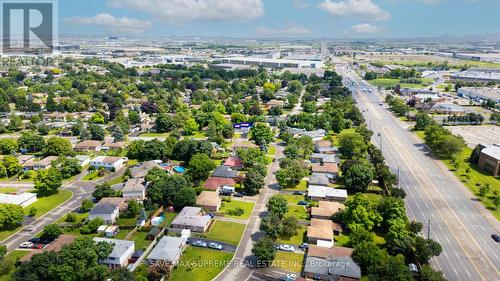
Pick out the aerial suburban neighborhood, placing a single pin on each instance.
(267, 154)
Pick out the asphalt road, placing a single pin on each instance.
(239, 269)
(228, 248)
(461, 225)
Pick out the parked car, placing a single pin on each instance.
(34, 240)
(302, 203)
(304, 246)
(38, 246)
(199, 243)
(290, 277)
(238, 194)
(287, 248)
(298, 193)
(215, 246)
(28, 245)
(496, 237)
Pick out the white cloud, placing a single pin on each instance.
(290, 30)
(194, 10)
(365, 28)
(364, 9)
(122, 25)
(300, 4)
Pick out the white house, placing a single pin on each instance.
(134, 189)
(121, 253)
(24, 199)
(83, 159)
(107, 209)
(107, 162)
(169, 249)
(325, 193)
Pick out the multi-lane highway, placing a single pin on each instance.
(462, 226)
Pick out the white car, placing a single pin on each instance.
(26, 245)
(287, 248)
(291, 277)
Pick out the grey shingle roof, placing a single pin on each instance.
(167, 249)
(341, 266)
(224, 172)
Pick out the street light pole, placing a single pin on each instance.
(429, 229)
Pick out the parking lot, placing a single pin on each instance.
(473, 135)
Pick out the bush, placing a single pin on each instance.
(32, 211)
(70, 217)
(92, 226)
(87, 205)
(236, 212)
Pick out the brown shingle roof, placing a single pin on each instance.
(322, 252)
(325, 168)
(208, 198)
(326, 209)
(213, 183)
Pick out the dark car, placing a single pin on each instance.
(298, 193)
(496, 237)
(34, 240)
(238, 194)
(302, 203)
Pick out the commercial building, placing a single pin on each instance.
(480, 94)
(273, 63)
(489, 160)
(479, 75)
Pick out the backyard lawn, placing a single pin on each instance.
(246, 206)
(91, 176)
(296, 239)
(300, 212)
(200, 264)
(126, 221)
(12, 256)
(117, 180)
(169, 217)
(302, 186)
(289, 261)
(228, 232)
(140, 240)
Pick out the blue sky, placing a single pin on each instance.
(280, 18)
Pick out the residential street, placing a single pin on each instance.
(460, 224)
(238, 269)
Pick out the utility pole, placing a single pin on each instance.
(380, 140)
(429, 229)
(398, 177)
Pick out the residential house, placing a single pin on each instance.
(134, 189)
(332, 268)
(331, 170)
(320, 230)
(192, 218)
(24, 158)
(225, 172)
(489, 160)
(209, 201)
(234, 162)
(141, 170)
(168, 249)
(324, 146)
(83, 159)
(335, 251)
(324, 158)
(43, 164)
(114, 145)
(319, 179)
(324, 193)
(121, 253)
(295, 132)
(107, 209)
(315, 135)
(88, 145)
(108, 162)
(326, 210)
(213, 183)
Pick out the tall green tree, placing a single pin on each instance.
(48, 181)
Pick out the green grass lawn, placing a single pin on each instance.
(200, 264)
(271, 150)
(296, 239)
(121, 234)
(8, 190)
(91, 176)
(199, 135)
(140, 240)
(246, 206)
(223, 231)
(12, 257)
(335, 137)
(373, 198)
(80, 217)
(127, 221)
(132, 162)
(154, 135)
(45, 204)
(299, 212)
(117, 180)
(289, 261)
(302, 186)
(169, 217)
(343, 240)
(477, 177)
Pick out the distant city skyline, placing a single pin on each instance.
(281, 18)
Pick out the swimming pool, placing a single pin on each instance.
(179, 169)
